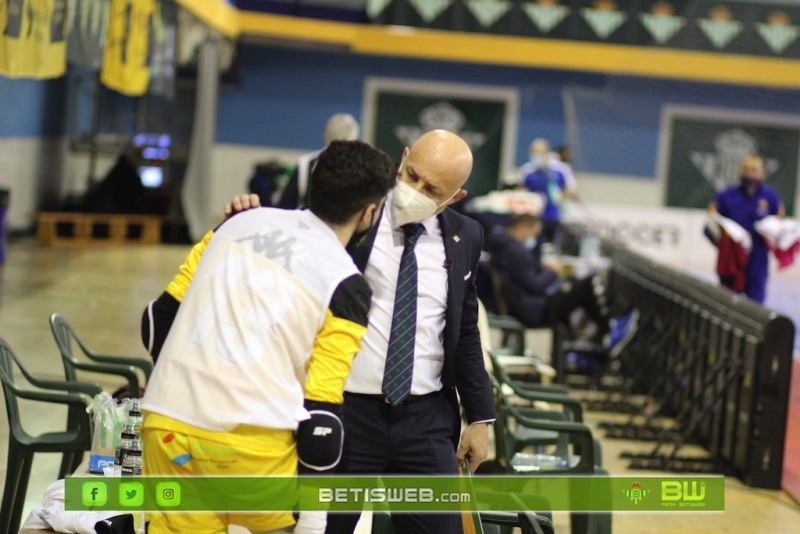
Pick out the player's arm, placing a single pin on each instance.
(337, 343)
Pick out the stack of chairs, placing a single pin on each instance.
(72, 442)
(543, 419)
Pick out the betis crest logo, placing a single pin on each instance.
(635, 492)
(545, 14)
(604, 17)
(778, 32)
(720, 28)
(661, 22)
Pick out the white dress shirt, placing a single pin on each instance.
(366, 375)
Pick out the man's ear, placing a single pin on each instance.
(369, 215)
(459, 196)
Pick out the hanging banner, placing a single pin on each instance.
(749, 27)
(33, 38)
(397, 112)
(219, 14)
(125, 58)
(701, 150)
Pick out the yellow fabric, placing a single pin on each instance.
(178, 286)
(33, 38)
(173, 448)
(218, 14)
(125, 67)
(336, 346)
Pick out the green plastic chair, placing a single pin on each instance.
(72, 442)
(576, 446)
(123, 366)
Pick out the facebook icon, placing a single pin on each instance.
(94, 494)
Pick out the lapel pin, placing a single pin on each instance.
(456, 238)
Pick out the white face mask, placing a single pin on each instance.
(530, 243)
(538, 162)
(410, 206)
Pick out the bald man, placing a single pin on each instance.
(420, 433)
(340, 127)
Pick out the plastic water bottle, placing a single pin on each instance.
(126, 443)
(135, 417)
(133, 462)
(132, 465)
(590, 247)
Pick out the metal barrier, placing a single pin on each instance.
(718, 365)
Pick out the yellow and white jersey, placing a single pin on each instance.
(255, 315)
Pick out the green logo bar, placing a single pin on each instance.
(398, 493)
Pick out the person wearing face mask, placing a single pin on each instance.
(254, 339)
(535, 293)
(746, 203)
(551, 178)
(411, 423)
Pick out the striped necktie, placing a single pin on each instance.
(400, 355)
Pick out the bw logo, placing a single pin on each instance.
(322, 430)
(673, 490)
(636, 493)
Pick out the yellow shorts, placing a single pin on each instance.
(173, 448)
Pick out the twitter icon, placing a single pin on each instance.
(131, 494)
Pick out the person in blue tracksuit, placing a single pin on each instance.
(543, 175)
(746, 203)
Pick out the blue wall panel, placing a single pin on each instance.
(286, 95)
(32, 108)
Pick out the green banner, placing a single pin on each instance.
(397, 493)
(399, 112)
(706, 148)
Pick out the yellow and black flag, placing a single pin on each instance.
(125, 58)
(33, 38)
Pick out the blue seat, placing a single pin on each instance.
(590, 359)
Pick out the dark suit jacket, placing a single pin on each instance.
(464, 370)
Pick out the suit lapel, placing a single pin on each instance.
(455, 261)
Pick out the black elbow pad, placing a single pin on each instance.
(319, 438)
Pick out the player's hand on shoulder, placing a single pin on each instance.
(241, 203)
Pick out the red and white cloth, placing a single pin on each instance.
(782, 237)
(734, 244)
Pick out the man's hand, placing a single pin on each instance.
(241, 203)
(474, 445)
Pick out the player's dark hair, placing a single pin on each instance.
(348, 176)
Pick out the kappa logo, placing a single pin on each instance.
(322, 430)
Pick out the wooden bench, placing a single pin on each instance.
(97, 228)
